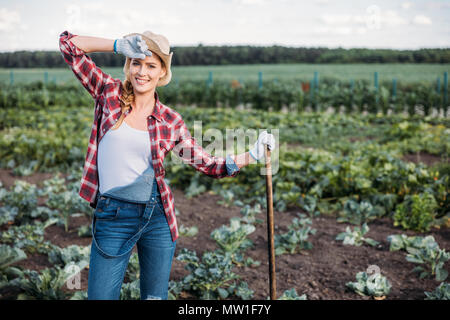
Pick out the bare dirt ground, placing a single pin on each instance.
(320, 273)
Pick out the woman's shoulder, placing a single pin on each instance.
(111, 91)
(114, 87)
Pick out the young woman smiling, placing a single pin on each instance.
(123, 176)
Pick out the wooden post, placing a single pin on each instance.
(394, 88)
(375, 80)
(209, 82)
(270, 227)
(445, 90)
(260, 80)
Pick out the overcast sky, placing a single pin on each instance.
(399, 24)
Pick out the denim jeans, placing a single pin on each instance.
(117, 226)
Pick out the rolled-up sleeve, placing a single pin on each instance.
(231, 166)
(90, 76)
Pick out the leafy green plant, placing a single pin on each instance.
(133, 269)
(292, 295)
(233, 239)
(430, 257)
(19, 202)
(404, 130)
(56, 184)
(46, 285)
(80, 295)
(66, 204)
(29, 237)
(374, 285)
(357, 213)
(72, 254)
(195, 187)
(209, 278)
(188, 231)
(310, 205)
(402, 242)
(416, 212)
(85, 231)
(296, 239)
(383, 203)
(228, 198)
(130, 291)
(442, 292)
(356, 237)
(241, 290)
(424, 251)
(249, 214)
(287, 193)
(9, 256)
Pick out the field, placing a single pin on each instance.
(404, 73)
(336, 174)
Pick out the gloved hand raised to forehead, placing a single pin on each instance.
(132, 47)
(264, 138)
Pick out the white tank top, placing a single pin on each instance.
(124, 159)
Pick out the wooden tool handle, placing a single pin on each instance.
(270, 227)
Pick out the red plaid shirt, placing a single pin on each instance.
(166, 127)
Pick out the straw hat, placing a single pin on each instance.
(159, 45)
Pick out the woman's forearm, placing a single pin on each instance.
(93, 44)
(243, 159)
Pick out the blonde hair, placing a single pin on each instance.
(127, 96)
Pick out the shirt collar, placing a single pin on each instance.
(156, 110)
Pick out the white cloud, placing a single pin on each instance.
(113, 20)
(422, 20)
(406, 5)
(9, 20)
(259, 22)
(343, 24)
(251, 2)
(437, 5)
(322, 2)
(342, 31)
(361, 30)
(342, 19)
(392, 19)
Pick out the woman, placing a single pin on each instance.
(123, 176)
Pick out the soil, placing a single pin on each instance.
(425, 158)
(320, 273)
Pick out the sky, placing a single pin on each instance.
(390, 24)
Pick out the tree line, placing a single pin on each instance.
(224, 55)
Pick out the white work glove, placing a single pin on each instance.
(133, 47)
(257, 152)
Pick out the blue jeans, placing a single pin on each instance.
(117, 226)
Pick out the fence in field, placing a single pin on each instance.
(353, 95)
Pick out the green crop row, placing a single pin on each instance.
(273, 95)
(323, 160)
